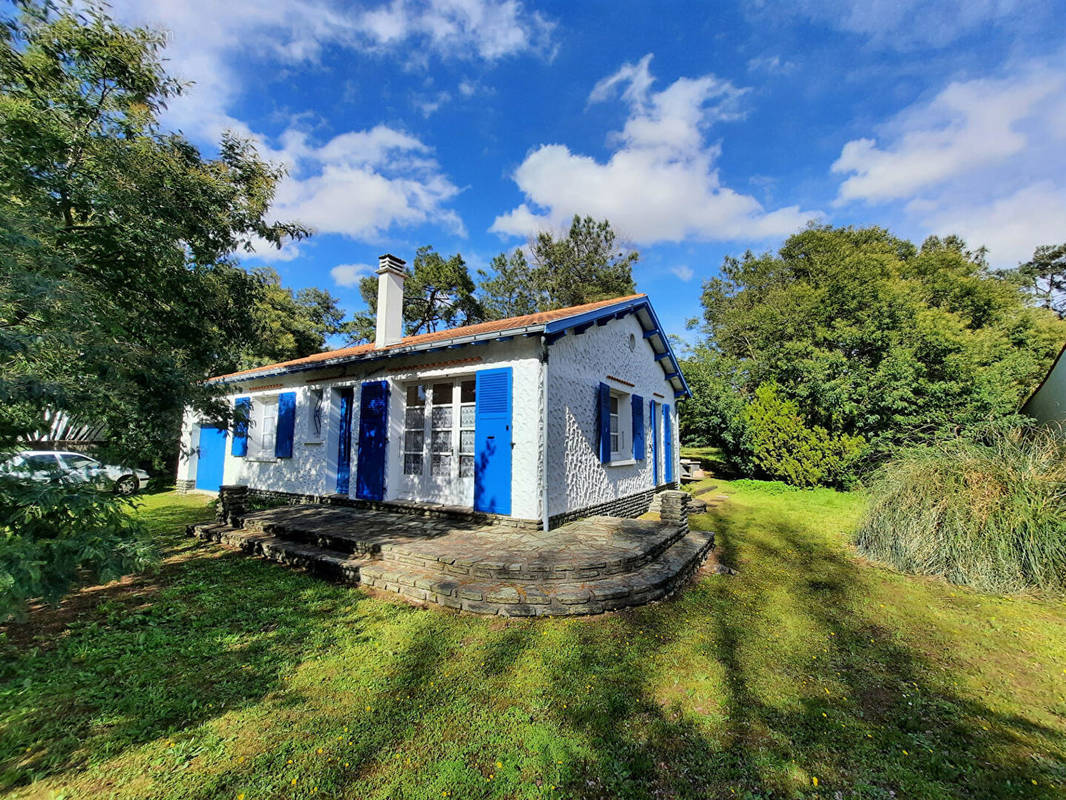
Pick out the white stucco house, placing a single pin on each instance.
(541, 419)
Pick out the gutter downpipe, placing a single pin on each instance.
(544, 429)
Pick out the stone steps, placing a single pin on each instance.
(553, 597)
(332, 564)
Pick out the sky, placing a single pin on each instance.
(699, 130)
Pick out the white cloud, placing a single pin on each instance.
(982, 158)
(1011, 227)
(661, 182)
(683, 272)
(773, 65)
(349, 275)
(965, 126)
(359, 183)
(906, 24)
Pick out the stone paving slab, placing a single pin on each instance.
(585, 567)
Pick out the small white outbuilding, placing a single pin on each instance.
(542, 418)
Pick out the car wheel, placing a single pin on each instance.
(126, 485)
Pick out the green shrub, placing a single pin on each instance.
(54, 534)
(786, 449)
(989, 514)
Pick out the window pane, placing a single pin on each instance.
(466, 466)
(413, 440)
(442, 441)
(442, 417)
(416, 395)
(614, 442)
(614, 404)
(466, 393)
(412, 464)
(466, 416)
(415, 418)
(614, 423)
(441, 465)
(466, 441)
(442, 393)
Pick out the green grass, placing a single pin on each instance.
(224, 676)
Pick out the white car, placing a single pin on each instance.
(46, 465)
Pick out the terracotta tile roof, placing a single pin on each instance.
(498, 325)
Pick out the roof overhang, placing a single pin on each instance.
(554, 330)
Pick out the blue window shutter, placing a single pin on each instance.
(638, 427)
(493, 441)
(286, 425)
(242, 411)
(605, 422)
(373, 440)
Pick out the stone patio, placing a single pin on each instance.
(588, 566)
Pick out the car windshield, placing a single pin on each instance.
(39, 461)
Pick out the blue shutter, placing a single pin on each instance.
(373, 441)
(604, 420)
(286, 425)
(242, 411)
(638, 427)
(493, 441)
(668, 445)
(654, 441)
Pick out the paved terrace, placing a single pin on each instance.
(592, 565)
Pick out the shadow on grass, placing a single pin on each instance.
(151, 656)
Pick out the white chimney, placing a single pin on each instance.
(391, 275)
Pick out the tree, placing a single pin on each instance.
(586, 265)
(509, 290)
(438, 293)
(290, 325)
(1045, 278)
(871, 336)
(118, 290)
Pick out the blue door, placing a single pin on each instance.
(373, 441)
(668, 445)
(344, 444)
(212, 458)
(492, 441)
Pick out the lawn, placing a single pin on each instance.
(808, 674)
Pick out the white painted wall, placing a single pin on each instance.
(313, 467)
(577, 365)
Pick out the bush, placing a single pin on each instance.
(52, 534)
(989, 514)
(786, 449)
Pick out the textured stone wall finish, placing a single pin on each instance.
(578, 363)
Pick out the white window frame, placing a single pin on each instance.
(263, 428)
(622, 440)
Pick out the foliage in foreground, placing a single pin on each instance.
(870, 336)
(989, 513)
(54, 533)
(223, 676)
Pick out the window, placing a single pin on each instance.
(616, 437)
(441, 431)
(467, 397)
(414, 429)
(315, 412)
(78, 461)
(262, 428)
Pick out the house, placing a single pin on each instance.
(538, 419)
(1047, 403)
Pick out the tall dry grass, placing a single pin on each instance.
(989, 514)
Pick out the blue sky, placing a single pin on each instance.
(699, 130)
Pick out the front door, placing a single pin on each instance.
(211, 460)
(344, 440)
(438, 442)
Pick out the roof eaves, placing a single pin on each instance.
(387, 353)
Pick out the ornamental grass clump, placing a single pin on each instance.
(990, 514)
